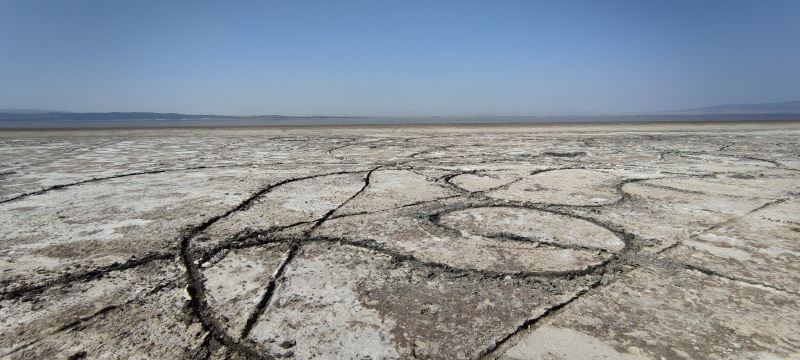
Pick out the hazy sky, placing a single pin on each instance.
(396, 57)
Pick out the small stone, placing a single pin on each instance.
(287, 344)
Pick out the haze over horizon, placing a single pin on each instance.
(398, 59)
(787, 108)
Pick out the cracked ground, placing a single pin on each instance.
(653, 241)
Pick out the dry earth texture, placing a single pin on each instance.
(513, 242)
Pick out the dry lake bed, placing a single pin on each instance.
(624, 241)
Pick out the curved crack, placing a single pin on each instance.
(195, 280)
(92, 180)
(90, 275)
(194, 259)
(330, 213)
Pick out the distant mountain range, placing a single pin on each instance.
(20, 118)
(67, 116)
(765, 108)
(43, 115)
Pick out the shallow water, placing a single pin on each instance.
(306, 121)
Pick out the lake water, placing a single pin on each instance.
(316, 121)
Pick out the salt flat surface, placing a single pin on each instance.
(571, 241)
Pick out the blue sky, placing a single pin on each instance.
(396, 57)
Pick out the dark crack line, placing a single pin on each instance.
(531, 322)
(330, 213)
(670, 188)
(85, 276)
(723, 147)
(268, 294)
(710, 272)
(687, 191)
(375, 246)
(198, 307)
(771, 203)
(428, 151)
(447, 179)
(721, 275)
(270, 291)
(330, 151)
(351, 143)
(773, 162)
(399, 256)
(507, 237)
(735, 218)
(244, 239)
(203, 351)
(240, 240)
(689, 154)
(92, 180)
(626, 237)
(195, 280)
(416, 171)
(628, 258)
(436, 220)
(85, 319)
(502, 187)
(263, 237)
(423, 202)
(623, 196)
(380, 248)
(22, 347)
(244, 205)
(194, 275)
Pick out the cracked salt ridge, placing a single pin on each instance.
(265, 299)
(372, 245)
(238, 239)
(526, 324)
(472, 278)
(606, 315)
(257, 237)
(623, 196)
(521, 235)
(619, 261)
(531, 324)
(295, 246)
(619, 265)
(390, 190)
(330, 213)
(711, 272)
(69, 303)
(15, 287)
(378, 246)
(196, 289)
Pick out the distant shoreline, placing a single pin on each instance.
(122, 120)
(194, 124)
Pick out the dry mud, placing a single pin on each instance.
(650, 241)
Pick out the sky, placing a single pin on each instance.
(404, 58)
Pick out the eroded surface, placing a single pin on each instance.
(549, 242)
